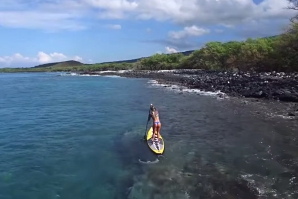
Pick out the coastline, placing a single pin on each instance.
(271, 85)
(279, 91)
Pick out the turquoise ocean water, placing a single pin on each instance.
(76, 137)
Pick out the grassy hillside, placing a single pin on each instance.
(70, 65)
(60, 64)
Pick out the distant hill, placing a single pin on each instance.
(60, 64)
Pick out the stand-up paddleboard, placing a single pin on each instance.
(158, 145)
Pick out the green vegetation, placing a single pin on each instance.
(279, 53)
(60, 64)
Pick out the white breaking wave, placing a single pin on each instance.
(113, 76)
(114, 71)
(183, 89)
(69, 74)
(166, 71)
(282, 116)
(123, 71)
(153, 82)
(106, 71)
(176, 70)
(99, 74)
(87, 75)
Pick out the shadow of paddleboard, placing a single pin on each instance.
(149, 157)
(134, 149)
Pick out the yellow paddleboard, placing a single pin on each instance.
(158, 145)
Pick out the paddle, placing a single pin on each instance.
(145, 136)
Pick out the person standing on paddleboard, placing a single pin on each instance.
(153, 113)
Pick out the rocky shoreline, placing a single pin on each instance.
(270, 85)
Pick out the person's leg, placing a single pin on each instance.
(154, 131)
(158, 129)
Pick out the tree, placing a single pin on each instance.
(293, 6)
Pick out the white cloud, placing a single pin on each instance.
(18, 60)
(116, 9)
(115, 5)
(115, 26)
(17, 57)
(79, 59)
(51, 14)
(188, 31)
(212, 12)
(198, 12)
(52, 57)
(195, 16)
(37, 20)
(171, 50)
(184, 38)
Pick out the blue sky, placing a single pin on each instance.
(34, 32)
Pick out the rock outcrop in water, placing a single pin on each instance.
(270, 85)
